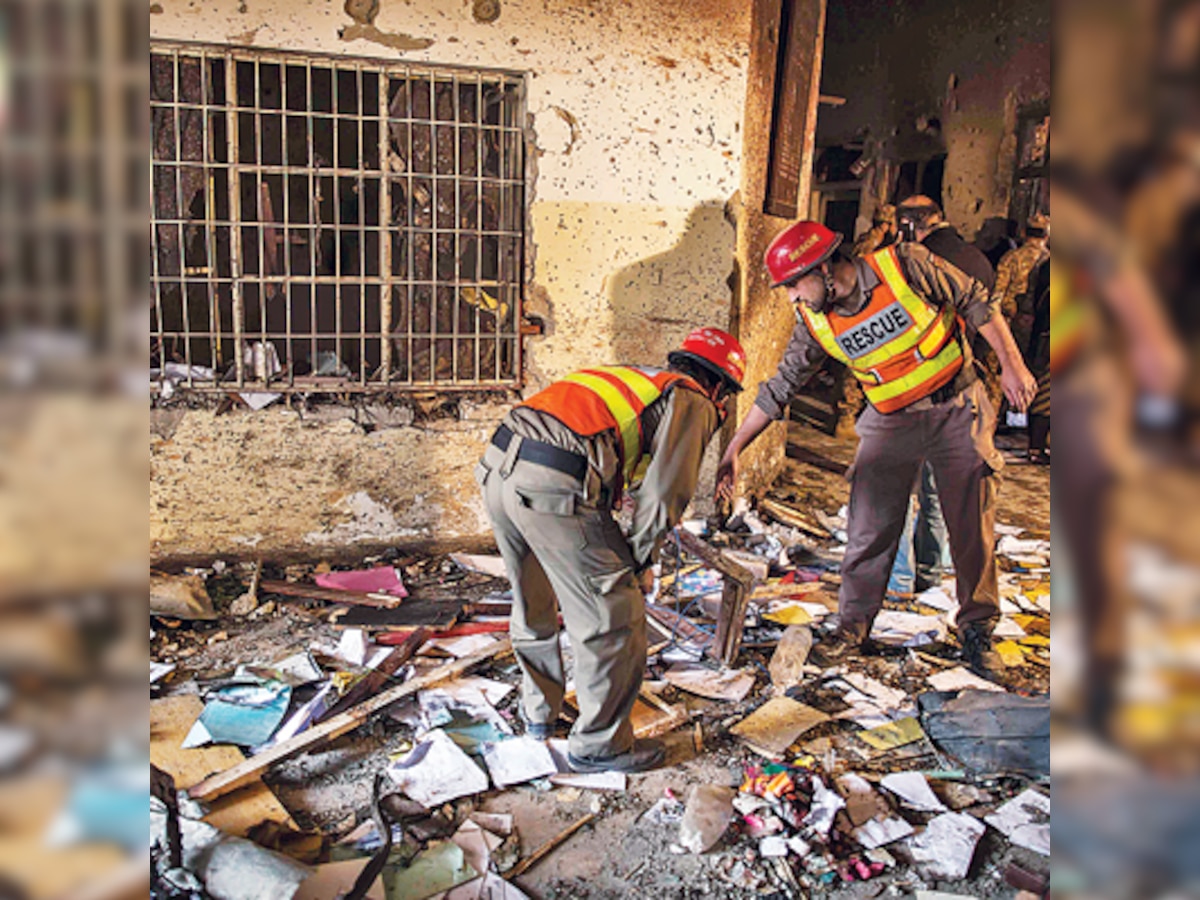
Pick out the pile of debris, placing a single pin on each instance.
(888, 769)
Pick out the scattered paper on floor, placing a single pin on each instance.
(436, 771)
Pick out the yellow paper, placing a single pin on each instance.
(789, 615)
(1011, 653)
(1035, 640)
(893, 734)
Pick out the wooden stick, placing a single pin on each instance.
(374, 680)
(249, 769)
(335, 595)
(788, 516)
(714, 558)
(536, 856)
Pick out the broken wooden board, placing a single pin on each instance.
(170, 720)
(785, 515)
(777, 589)
(250, 770)
(431, 614)
(775, 725)
(735, 595)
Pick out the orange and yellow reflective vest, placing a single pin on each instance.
(1070, 316)
(609, 398)
(900, 346)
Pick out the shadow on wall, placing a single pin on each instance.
(656, 301)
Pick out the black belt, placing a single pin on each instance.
(543, 454)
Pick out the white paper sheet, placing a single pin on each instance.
(463, 646)
(944, 850)
(518, 760)
(437, 771)
(1025, 821)
(913, 790)
(960, 679)
(877, 833)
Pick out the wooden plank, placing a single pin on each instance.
(714, 558)
(786, 515)
(431, 614)
(247, 771)
(333, 595)
(374, 680)
(170, 720)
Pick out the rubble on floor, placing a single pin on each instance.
(356, 733)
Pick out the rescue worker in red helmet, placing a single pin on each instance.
(551, 476)
(901, 319)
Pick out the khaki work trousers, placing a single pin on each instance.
(564, 553)
(955, 437)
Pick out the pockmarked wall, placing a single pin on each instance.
(635, 117)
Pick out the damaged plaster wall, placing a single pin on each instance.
(969, 66)
(635, 111)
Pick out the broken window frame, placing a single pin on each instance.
(234, 299)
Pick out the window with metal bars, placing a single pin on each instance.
(333, 224)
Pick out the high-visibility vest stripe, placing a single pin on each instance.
(627, 417)
(912, 364)
(608, 397)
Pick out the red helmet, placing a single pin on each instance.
(801, 246)
(716, 350)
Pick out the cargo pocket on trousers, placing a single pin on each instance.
(983, 426)
(620, 601)
(548, 517)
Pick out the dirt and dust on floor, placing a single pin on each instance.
(328, 732)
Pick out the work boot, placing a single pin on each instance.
(646, 753)
(835, 648)
(977, 651)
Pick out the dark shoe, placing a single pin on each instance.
(835, 649)
(543, 731)
(977, 651)
(645, 753)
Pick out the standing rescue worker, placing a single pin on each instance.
(898, 320)
(554, 471)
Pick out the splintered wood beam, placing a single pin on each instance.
(333, 595)
(735, 595)
(248, 770)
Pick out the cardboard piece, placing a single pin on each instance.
(775, 725)
(727, 684)
(170, 720)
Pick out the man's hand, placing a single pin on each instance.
(646, 581)
(727, 471)
(1019, 385)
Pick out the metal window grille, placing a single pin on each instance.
(73, 260)
(329, 224)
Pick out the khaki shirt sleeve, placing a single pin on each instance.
(801, 359)
(942, 282)
(677, 448)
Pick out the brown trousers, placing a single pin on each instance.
(955, 437)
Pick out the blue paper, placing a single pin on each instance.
(246, 714)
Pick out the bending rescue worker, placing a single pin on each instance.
(901, 320)
(554, 471)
